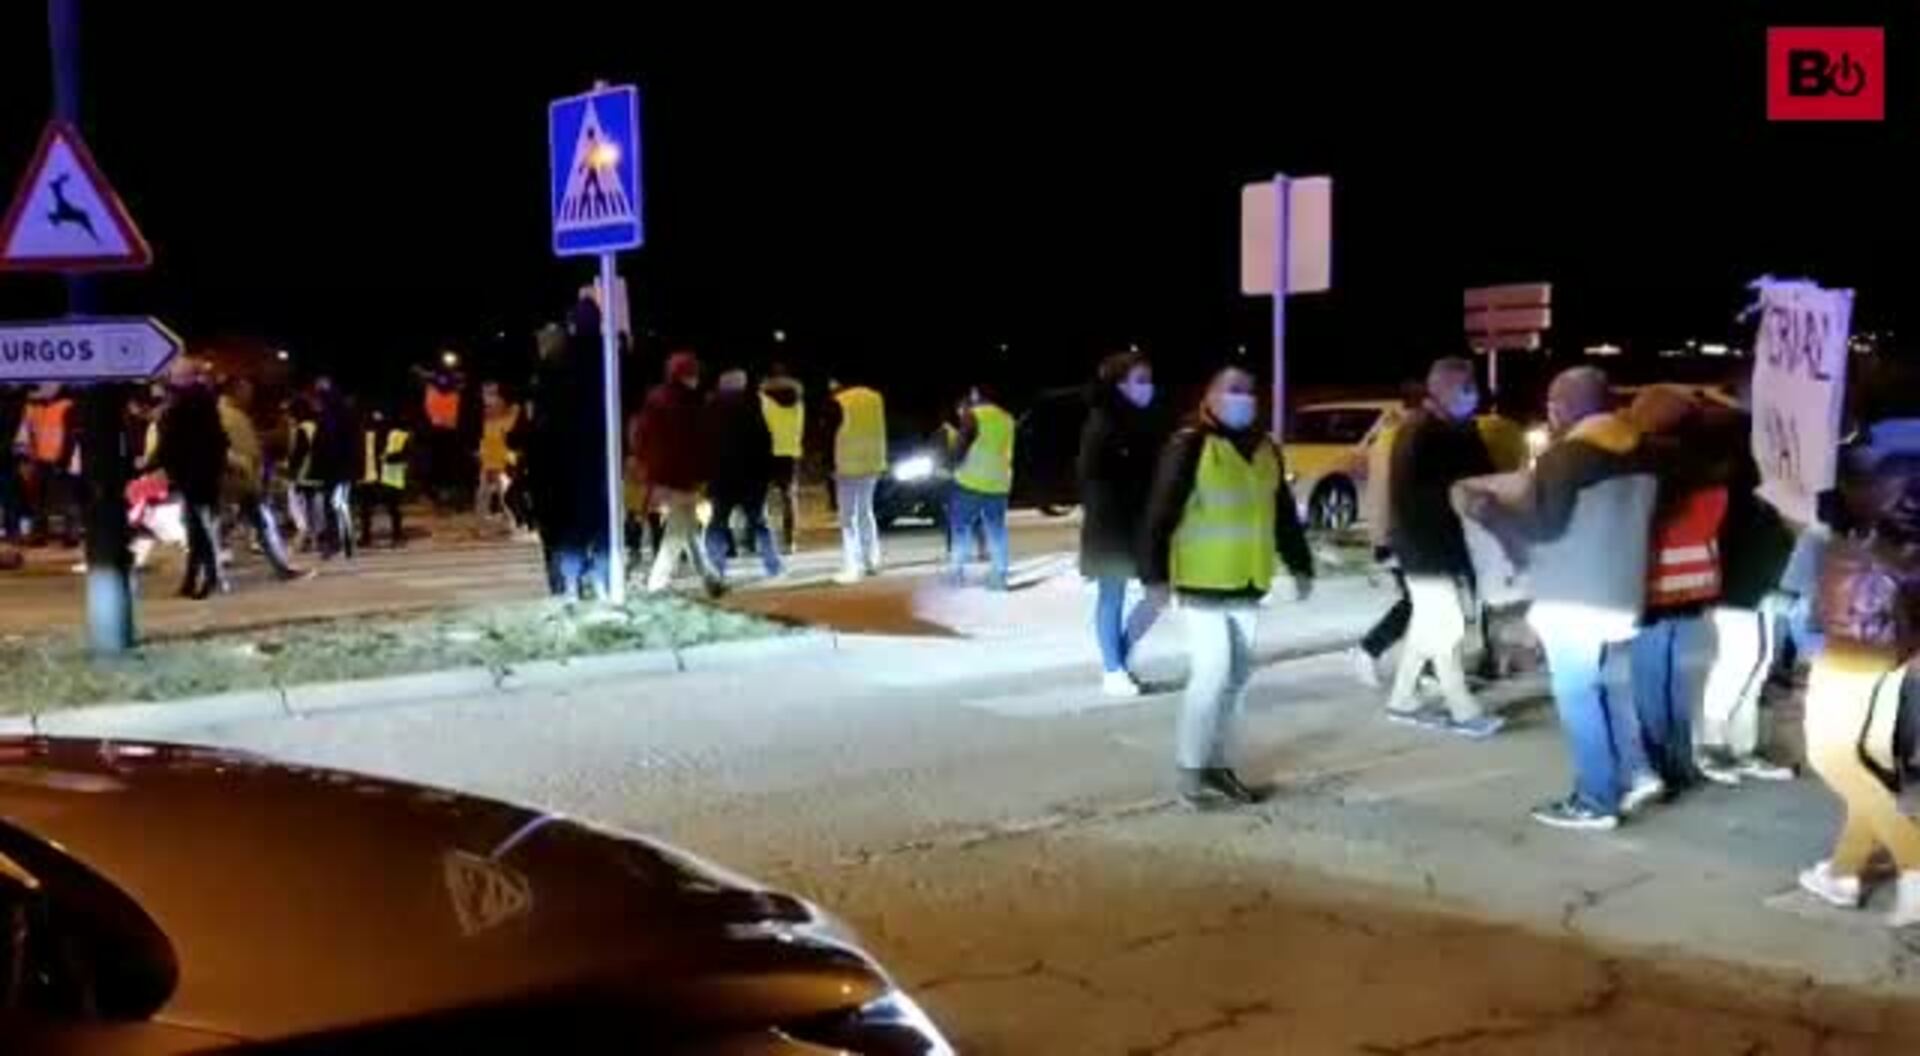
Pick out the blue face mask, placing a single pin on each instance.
(1236, 410)
(1138, 393)
(1465, 402)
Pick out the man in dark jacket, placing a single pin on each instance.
(12, 498)
(1122, 438)
(1582, 525)
(571, 502)
(193, 452)
(1436, 447)
(742, 452)
(335, 465)
(1219, 510)
(673, 448)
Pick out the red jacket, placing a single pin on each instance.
(672, 442)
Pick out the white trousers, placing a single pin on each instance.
(859, 530)
(1220, 654)
(1743, 655)
(679, 535)
(1435, 636)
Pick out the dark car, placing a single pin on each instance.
(166, 899)
(916, 483)
(1046, 452)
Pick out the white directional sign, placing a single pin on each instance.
(1309, 227)
(65, 216)
(83, 350)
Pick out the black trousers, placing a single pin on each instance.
(1392, 626)
(204, 573)
(382, 497)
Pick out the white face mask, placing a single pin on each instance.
(1138, 393)
(1235, 410)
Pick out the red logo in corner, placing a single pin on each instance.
(1826, 74)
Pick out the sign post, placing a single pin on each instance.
(1286, 247)
(594, 193)
(1799, 392)
(66, 219)
(1507, 317)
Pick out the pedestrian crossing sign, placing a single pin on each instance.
(594, 150)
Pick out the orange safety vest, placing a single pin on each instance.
(1685, 569)
(443, 407)
(48, 425)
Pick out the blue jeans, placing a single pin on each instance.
(1575, 666)
(1664, 696)
(719, 531)
(1117, 629)
(991, 510)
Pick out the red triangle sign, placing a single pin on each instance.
(65, 216)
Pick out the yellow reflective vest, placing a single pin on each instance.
(1225, 541)
(860, 447)
(988, 467)
(787, 424)
(390, 468)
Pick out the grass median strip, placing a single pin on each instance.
(39, 674)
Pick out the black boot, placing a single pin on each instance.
(1215, 788)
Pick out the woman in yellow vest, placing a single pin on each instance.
(982, 478)
(1219, 512)
(857, 420)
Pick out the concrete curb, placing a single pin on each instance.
(158, 718)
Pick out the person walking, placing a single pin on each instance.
(1435, 448)
(13, 512)
(245, 486)
(741, 448)
(384, 458)
(192, 451)
(301, 488)
(49, 438)
(499, 417)
(783, 404)
(1376, 510)
(1119, 444)
(1869, 613)
(1218, 512)
(336, 465)
(982, 481)
(673, 448)
(857, 421)
(1589, 495)
(440, 411)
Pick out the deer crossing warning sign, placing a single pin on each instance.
(594, 150)
(65, 216)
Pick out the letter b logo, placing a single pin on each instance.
(1826, 74)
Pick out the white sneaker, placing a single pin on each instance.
(1119, 684)
(1647, 788)
(1364, 667)
(849, 577)
(1820, 881)
(1906, 901)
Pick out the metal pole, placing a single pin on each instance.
(616, 515)
(103, 451)
(1281, 221)
(1493, 368)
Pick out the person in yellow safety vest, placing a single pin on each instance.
(1218, 512)
(982, 479)
(48, 439)
(783, 403)
(499, 417)
(303, 488)
(858, 418)
(383, 476)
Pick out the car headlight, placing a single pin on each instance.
(890, 1025)
(919, 467)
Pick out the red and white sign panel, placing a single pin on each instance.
(1516, 295)
(1309, 236)
(66, 217)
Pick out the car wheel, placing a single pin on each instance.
(1335, 506)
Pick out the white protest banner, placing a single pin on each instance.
(1799, 391)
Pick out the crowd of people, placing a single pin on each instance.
(1636, 535)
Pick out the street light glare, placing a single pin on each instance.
(605, 155)
(449, 359)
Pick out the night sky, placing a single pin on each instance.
(901, 192)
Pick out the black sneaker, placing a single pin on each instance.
(1570, 813)
(1215, 789)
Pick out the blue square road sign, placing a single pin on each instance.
(593, 148)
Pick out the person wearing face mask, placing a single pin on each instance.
(1122, 437)
(673, 446)
(1218, 512)
(1436, 447)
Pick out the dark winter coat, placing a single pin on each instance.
(740, 445)
(1119, 447)
(193, 446)
(337, 451)
(673, 441)
(568, 439)
(1430, 455)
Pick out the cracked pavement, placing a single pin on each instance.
(1011, 851)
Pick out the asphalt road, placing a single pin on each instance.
(1013, 853)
